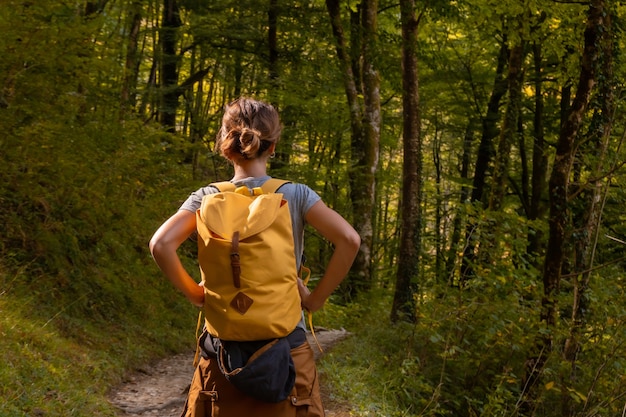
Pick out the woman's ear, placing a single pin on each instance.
(272, 149)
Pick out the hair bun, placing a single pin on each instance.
(250, 141)
(249, 136)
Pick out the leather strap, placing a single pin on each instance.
(235, 264)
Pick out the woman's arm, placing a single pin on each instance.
(346, 241)
(163, 247)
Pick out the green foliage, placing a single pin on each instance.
(80, 194)
(466, 355)
(77, 279)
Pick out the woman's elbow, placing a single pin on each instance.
(155, 245)
(353, 241)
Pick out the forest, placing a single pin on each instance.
(475, 145)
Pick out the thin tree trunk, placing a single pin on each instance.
(349, 82)
(348, 288)
(587, 218)
(364, 192)
(463, 197)
(484, 157)
(540, 161)
(509, 128)
(559, 225)
(489, 248)
(169, 65)
(149, 106)
(404, 306)
(272, 41)
(131, 64)
(438, 229)
(365, 133)
(281, 160)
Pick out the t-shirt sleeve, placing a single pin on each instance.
(195, 199)
(303, 198)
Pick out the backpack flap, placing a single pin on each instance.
(226, 213)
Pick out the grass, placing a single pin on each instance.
(363, 370)
(58, 363)
(43, 373)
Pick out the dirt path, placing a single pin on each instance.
(161, 390)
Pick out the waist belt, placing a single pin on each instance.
(208, 343)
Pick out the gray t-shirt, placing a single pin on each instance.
(299, 196)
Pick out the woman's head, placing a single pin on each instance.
(249, 128)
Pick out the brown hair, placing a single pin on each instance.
(249, 127)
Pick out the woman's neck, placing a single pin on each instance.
(250, 168)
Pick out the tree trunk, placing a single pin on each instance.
(404, 306)
(489, 249)
(590, 203)
(540, 161)
(365, 134)
(364, 190)
(131, 65)
(452, 256)
(484, 157)
(281, 160)
(439, 232)
(169, 65)
(272, 41)
(509, 128)
(558, 187)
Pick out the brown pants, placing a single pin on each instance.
(211, 395)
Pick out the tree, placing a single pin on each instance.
(169, 64)
(509, 127)
(559, 191)
(536, 207)
(592, 177)
(131, 65)
(404, 305)
(484, 157)
(361, 84)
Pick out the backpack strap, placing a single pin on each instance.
(273, 184)
(224, 186)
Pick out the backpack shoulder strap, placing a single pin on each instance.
(224, 186)
(273, 184)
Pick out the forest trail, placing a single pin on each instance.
(161, 390)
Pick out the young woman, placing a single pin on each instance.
(248, 136)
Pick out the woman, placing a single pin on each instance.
(247, 138)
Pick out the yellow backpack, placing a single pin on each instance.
(247, 262)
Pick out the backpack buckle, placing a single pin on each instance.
(249, 191)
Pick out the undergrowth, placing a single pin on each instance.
(81, 301)
(467, 354)
(62, 362)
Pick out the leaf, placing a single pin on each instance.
(577, 396)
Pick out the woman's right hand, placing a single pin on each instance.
(163, 247)
(198, 299)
